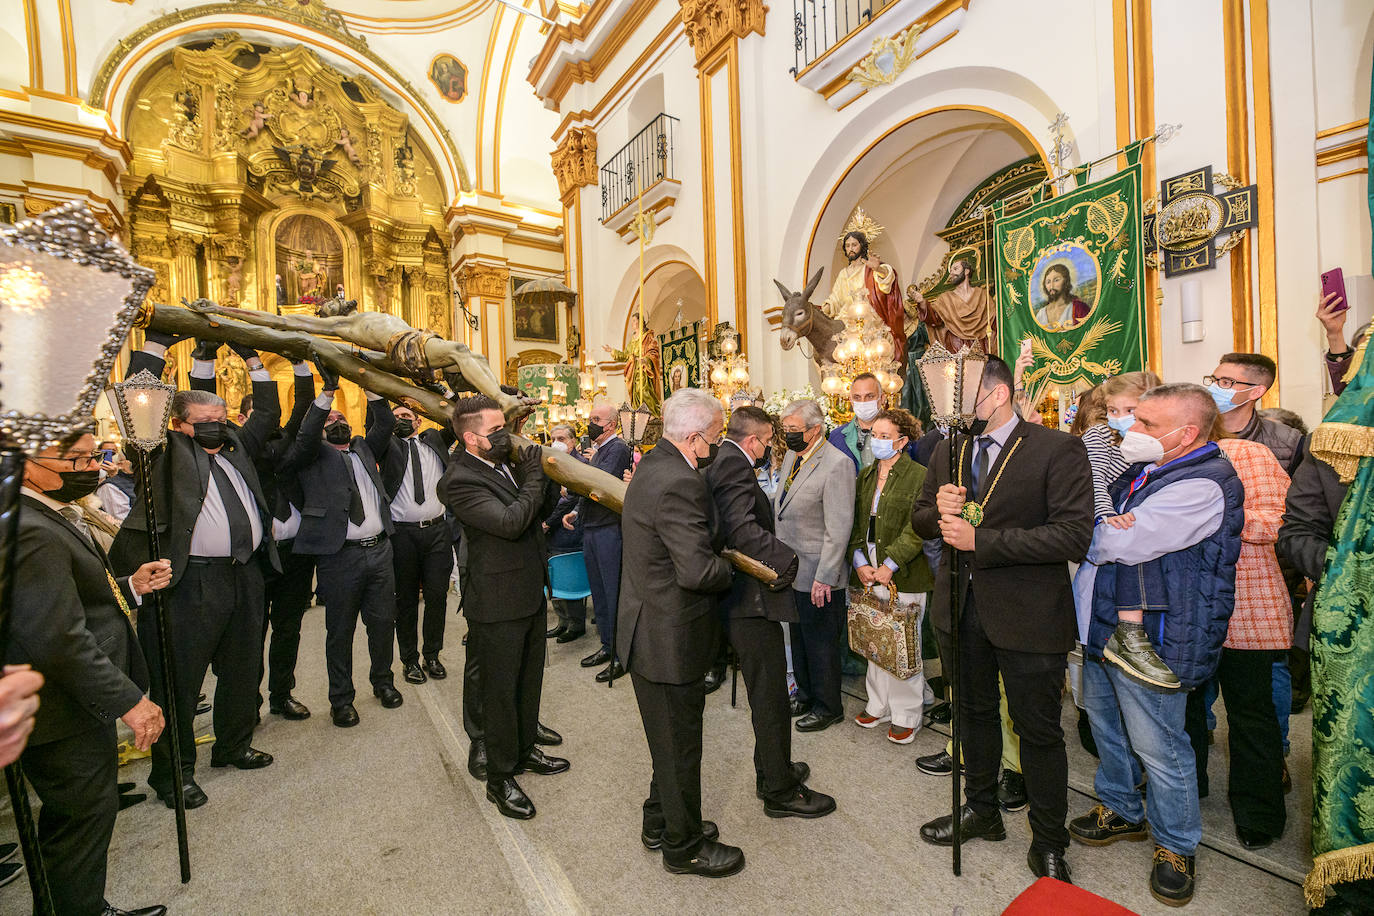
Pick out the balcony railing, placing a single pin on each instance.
(819, 25)
(646, 159)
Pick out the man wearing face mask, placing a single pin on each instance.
(572, 615)
(1176, 563)
(218, 537)
(1018, 508)
(855, 437)
(1237, 384)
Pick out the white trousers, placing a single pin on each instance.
(904, 701)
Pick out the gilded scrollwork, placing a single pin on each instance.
(574, 162)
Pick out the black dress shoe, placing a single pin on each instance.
(1011, 791)
(803, 802)
(546, 736)
(799, 707)
(123, 788)
(390, 696)
(714, 679)
(654, 839)
(289, 708)
(542, 764)
(126, 801)
(571, 634)
(435, 668)
(940, 713)
(1254, 839)
(477, 760)
(940, 832)
(10, 871)
(816, 722)
(801, 772)
(413, 673)
(1049, 865)
(158, 910)
(251, 759)
(344, 716)
(611, 672)
(556, 631)
(599, 657)
(9, 850)
(939, 764)
(202, 706)
(192, 794)
(713, 860)
(510, 799)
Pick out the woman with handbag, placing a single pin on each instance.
(889, 581)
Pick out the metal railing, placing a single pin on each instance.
(819, 25)
(647, 158)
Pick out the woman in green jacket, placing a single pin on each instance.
(886, 554)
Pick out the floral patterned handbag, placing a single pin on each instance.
(887, 633)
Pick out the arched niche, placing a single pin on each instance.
(624, 305)
(669, 283)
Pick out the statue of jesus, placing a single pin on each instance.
(961, 315)
(867, 277)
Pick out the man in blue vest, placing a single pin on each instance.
(1171, 554)
(866, 398)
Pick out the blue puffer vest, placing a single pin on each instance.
(1188, 595)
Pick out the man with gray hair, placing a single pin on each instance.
(669, 628)
(814, 505)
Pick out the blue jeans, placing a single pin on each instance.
(1283, 697)
(1130, 719)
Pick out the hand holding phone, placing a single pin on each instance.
(1334, 298)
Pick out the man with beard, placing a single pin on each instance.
(867, 278)
(961, 315)
(1062, 310)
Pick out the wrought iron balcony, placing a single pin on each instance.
(819, 25)
(643, 162)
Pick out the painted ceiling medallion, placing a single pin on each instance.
(888, 58)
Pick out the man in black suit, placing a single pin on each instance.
(346, 525)
(216, 526)
(669, 628)
(413, 460)
(501, 510)
(1030, 491)
(754, 613)
(70, 622)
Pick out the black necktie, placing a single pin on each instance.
(417, 478)
(356, 514)
(980, 465)
(240, 529)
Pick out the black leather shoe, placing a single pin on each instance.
(510, 799)
(435, 668)
(803, 803)
(1011, 791)
(940, 832)
(202, 705)
(816, 722)
(596, 659)
(940, 764)
(413, 673)
(714, 678)
(713, 860)
(570, 635)
(542, 764)
(344, 716)
(801, 772)
(653, 840)
(126, 800)
(477, 760)
(1102, 826)
(1049, 865)
(556, 631)
(158, 910)
(614, 671)
(289, 708)
(193, 795)
(940, 712)
(1254, 839)
(390, 696)
(546, 736)
(1172, 877)
(251, 759)
(10, 850)
(10, 871)
(799, 707)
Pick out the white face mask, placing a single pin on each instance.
(1137, 447)
(559, 444)
(865, 410)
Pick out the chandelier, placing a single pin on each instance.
(865, 345)
(728, 370)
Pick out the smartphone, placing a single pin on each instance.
(1333, 281)
(107, 455)
(584, 443)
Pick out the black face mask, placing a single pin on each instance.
(75, 484)
(403, 429)
(338, 433)
(500, 446)
(211, 434)
(595, 431)
(796, 441)
(977, 427)
(766, 458)
(706, 462)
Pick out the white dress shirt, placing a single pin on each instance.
(372, 511)
(403, 505)
(286, 529)
(210, 537)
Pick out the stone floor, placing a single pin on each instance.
(383, 818)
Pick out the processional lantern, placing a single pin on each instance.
(142, 405)
(952, 381)
(634, 423)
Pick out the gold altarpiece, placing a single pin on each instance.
(252, 163)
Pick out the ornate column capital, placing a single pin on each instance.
(710, 23)
(574, 162)
(486, 280)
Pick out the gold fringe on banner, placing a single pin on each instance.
(1340, 866)
(1342, 445)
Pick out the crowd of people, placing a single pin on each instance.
(1162, 553)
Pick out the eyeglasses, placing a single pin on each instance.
(80, 462)
(1226, 383)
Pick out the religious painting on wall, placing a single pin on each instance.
(533, 320)
(1070, 278)
(449, 76)
(682, 352)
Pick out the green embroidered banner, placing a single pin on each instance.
(1070, 278)
(682, 357)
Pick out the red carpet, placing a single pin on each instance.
(1048, 897)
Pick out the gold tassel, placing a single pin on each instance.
(1342, 445)
(1355, 361)
(1354, 863)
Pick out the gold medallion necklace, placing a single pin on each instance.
(972, 512)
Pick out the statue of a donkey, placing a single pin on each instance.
(802, 319)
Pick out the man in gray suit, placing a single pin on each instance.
(814, 505)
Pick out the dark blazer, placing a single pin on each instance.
(505, 538)
(394, 460)
(67, 623)
(560, 539)
(667, 628)
(180, 477)
(746, 518)
(322, 472)
(615, 458)
(1038, 519)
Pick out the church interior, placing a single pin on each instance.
(609, 201)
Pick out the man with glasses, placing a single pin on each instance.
(1237, 385)
(866, 399)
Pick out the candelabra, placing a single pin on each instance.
(728, 370)
(865, 345)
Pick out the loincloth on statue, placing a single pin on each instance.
(407, 350)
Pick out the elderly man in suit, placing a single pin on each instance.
(669, 628)
(814, 504)
(70, 621)
(1029, 491)
(502, 510)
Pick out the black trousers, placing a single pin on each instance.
(214, 614)
(75, 779)
(672, 724)
(288, 598)
(357, 581)
(1255, 783)
(423, 561)
(472, 692)
(763, 661)
(816, 651)
(1035, 692)
(509, 675)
